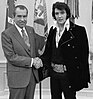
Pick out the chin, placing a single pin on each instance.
(61, 22)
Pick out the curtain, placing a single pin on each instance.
(92, 12)
(74, 8)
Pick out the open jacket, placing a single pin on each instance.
(19, 56)
(75, 50)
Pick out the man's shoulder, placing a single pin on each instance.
(9, 29)
(80, 26)
(29, 27)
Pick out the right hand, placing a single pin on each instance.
(37, 62)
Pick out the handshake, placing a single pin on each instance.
(37, 62)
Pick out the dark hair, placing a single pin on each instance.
(22, 7)
(60, 6)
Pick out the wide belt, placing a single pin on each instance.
(60, 68)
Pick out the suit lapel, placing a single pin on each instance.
(20, 39)
(66, 37)
(31, 41)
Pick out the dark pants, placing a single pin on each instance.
(23, 93)
(59, 83)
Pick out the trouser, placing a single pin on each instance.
(59, 84)
(23, 93)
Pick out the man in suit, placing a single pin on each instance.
(21, 51)
(66, 55)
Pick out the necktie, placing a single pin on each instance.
(25, 37)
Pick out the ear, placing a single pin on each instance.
(12, 16)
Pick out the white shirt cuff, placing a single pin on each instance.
(32, 62)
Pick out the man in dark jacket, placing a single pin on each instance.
(66, 55)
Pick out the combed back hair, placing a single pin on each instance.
(60, 6)
(22, 7)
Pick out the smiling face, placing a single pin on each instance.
(20, 17)
(61, 16)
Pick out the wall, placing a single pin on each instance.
(84, 19)
(2, 25)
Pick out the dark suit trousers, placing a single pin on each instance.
(24, 93)
(59, 83)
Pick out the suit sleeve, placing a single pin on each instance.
(12, 57)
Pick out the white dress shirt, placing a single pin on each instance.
(66, 25)
(19, 29)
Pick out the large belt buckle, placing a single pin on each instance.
(60, 68)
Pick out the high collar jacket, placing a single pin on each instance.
(74, 50)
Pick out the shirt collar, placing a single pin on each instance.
(18, 28)
(66, 25)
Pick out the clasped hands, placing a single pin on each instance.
(37, 62)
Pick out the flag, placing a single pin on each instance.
(40, 23)
(9, 13)
(40, 18)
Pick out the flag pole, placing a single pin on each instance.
(40, 92)
(41, 28)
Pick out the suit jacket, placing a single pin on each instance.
(19, 56)
(74, 51)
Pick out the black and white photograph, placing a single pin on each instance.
(46, 49)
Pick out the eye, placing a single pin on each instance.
(56, 13)
(20, 16)
(62, 12)
(24, 16)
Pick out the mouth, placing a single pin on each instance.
(22, 23)
(60, 19)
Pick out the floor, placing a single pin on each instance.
(47, 96)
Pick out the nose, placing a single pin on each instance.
(60, 15)
(22, 18)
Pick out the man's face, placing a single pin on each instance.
(60, 16)
(20, 17)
